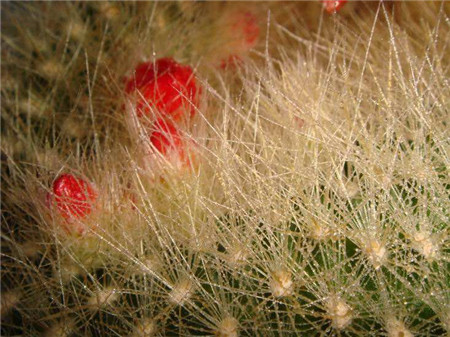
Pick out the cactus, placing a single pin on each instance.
(298, 184)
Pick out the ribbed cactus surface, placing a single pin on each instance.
(225, 169)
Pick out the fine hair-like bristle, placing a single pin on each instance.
(306, 192)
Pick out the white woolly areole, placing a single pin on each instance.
(281, 283)
(145, 328)
(236, 256)
(320, 231)
(60, 329)
(339, 312)
(228, 327)
(376, 253)
(103, 297)
(396, 328)
(425, 245)
(181, 292)
(9, 300)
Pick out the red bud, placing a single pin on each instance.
(165, 85)
(73, 197)
(332, 6)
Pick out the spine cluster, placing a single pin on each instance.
(225, 169)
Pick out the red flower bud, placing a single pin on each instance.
(245, 26)
(73, 197)
(243, 30)
(178, 152)
(332, 6)
(165, 137)
(165, 85)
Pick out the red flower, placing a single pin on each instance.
(245, 26)
(332, 6)
(165, 138)
(243, 30)
(73, 197)
(165, 85)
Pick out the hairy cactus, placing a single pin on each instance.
(225, 169)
